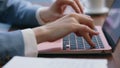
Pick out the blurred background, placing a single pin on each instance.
(42, 2)
(48, 2)
(108, 4)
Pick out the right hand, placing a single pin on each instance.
(78, 23)
(56, 10)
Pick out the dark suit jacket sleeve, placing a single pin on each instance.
(20, 13)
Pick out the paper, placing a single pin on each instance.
(25, 62)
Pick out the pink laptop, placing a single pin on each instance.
(106, 41)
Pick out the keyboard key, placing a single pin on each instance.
(76, 42)
(100, 42)
(72, 41)
(94, 39)
(80, 43)
(87, 46)
(65, 42)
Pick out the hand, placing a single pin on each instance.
(77, 23)
(57, 9)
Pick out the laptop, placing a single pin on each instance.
(106, 41)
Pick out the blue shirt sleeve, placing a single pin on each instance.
(11, 44)
(20, 13)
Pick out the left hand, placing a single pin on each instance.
(57, 10)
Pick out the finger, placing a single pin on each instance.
(91, 36)
(63, 8)
(88, 39)
(90, 31)
(72, 4)
(78, 34)
(86, 29)
(79, 5)
(84, 19)
(87, 20)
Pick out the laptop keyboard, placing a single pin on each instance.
(74, 42)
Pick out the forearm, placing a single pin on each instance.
(17, 43)
(11, 44)
(20, 13)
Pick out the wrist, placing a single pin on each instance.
(40, 34)
(43, 15)
(39, 17)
